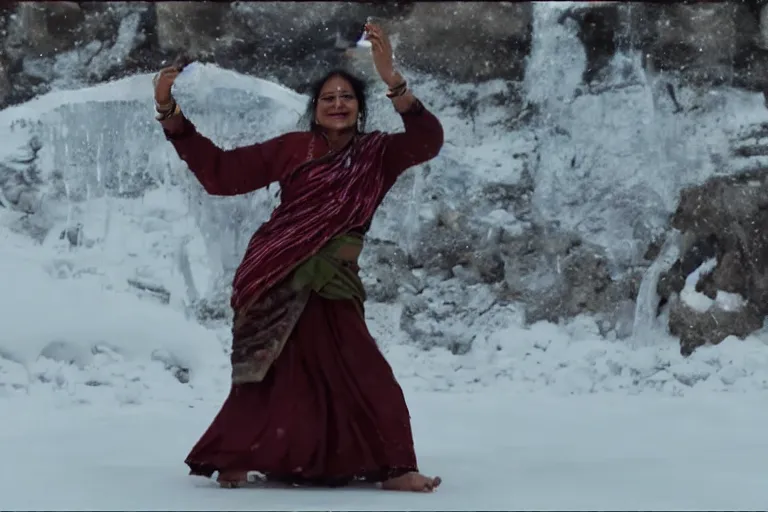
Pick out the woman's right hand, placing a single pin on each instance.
(163, 82)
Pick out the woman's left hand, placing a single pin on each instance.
(381, 49)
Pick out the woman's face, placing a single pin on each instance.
(337, 107)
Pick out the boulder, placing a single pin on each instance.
(723, 219)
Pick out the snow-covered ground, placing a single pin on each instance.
(538, 417)
(495, 451)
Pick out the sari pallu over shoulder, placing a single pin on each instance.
(334, 195)
(296, 253)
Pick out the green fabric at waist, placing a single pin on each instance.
(329, 276)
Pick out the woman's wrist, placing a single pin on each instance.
(405, 102)
(166, 113)
(164, 106)
(395, 80)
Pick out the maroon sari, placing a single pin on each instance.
(329, 410)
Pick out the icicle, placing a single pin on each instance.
(645, 330)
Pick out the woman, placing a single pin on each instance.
(313, 400)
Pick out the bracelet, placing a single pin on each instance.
(165, 107)
(162, 116)
(162, 107)
(398, 90)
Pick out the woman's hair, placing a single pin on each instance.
(358, 87)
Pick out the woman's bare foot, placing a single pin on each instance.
(232, 479)
(413, 482)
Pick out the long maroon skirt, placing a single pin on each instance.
(328, 411)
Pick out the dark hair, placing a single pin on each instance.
(358, 87)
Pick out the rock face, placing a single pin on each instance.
(74, 43)
(724, 219)
(715, 43)
(531, 220)
(48, 44)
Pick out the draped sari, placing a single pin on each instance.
(303, 239)
(313, 399)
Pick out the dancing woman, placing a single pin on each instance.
(313, 400)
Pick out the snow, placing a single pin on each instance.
(695, 299)
(730, 302)
(701, 303)
(91, 343)
(500, 451)
(104, 387)
(85, 329)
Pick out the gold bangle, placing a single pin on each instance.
(162, 107)
(162, 116)
(397, 91)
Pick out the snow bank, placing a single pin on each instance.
(84, 342)
(574, 359)
(74, 334)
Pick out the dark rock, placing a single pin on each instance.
(6, 88)
(74, 235)
(488, 265)
(497, 50)
(598, 28)
(88, 42)
(673, 280)
(725, 218)
(699, 41)
(696, 329)
(157, 291)
(44, 28)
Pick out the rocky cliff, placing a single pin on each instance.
(579, 136)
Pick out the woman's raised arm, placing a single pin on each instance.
(223, 172)
(423, 135)
(420, 142)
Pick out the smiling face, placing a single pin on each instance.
(336, 108)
